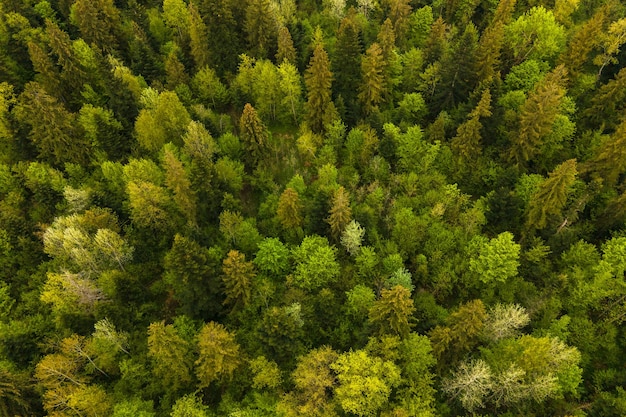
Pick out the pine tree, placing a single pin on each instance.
(318, 81)
(608, 101)
(372, 88)
(488, 52)
(237, 279)
(340, 212)
(551, 196)
(537, 115)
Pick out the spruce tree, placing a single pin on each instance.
(372, 88)
(318, 80)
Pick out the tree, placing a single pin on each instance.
(537, 116)
(314, 381)
(189, 406)
(318, 81)
(504, 321)
(315, 263)
(497, 260)
(254, 134)
(551, 197)
(608, 163)
(266, 373)
(535, 35)
(340, 212)
(291, 89)
(286, 50)
(260, 27)
(471, 383)
(465, 326)
(198, 37)
(218, 353)
(347, 63)
(372, 89)
(467, 142)
(399, 13)
(393, 312)
(290, 209)
(177, 180)
(164, 119)
(169, 353)
(98, 22)
(611, 42)
(352, 237)
(237, 278)
(364, 382)
(53, 129)
(272, 257)
(189, 276)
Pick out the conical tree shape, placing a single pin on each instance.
(237, 278)
(290, 209)
(537, 116)
(340, 212)
(318, 81)
(286, 50)
(551, 196)
(610, 160)
(347, 63)
(372, 70)
(260, 27)
(254, 134)
(198, 37)
(466, 144)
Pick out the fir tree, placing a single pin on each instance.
(372, 88)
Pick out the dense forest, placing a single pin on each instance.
(255, 208)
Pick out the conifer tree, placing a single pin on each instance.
(53, 129)
(551, 196)
(372, 88)
(346, 64)
(198, 37)
(99, 22)
(290, 209)
(286, 50)
(340, 212)
(254, 134)
(607, 102)
(393, 313)
(537, 116)
(318, 81)
(177, 180)
(609, 162)
(218, 354)
(237, 279)
(170, 356)
(584, 41)
(399, 12)
(260, 28)
(467, 142)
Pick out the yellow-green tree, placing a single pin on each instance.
(318, 80)
(549, 200)
(237, 278)
(218, 354)
(372, 88)
(170, 355)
